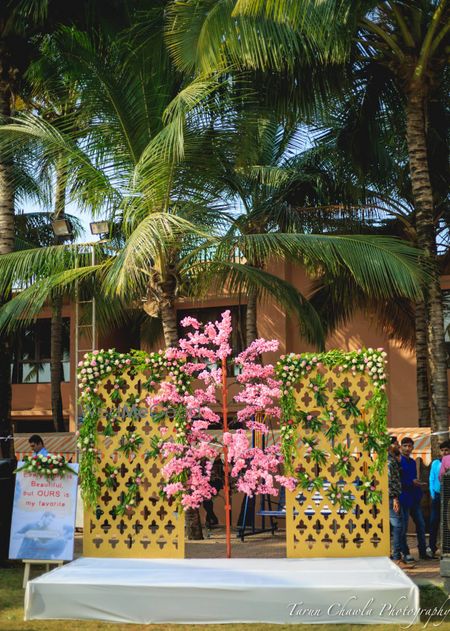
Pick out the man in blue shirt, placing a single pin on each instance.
(37, 445)
(395, 515)
(410, 499)
(435, 492)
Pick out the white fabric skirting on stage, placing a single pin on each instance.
(357, 590)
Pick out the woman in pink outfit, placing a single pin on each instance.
(445, 466)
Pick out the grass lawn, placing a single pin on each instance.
(11, 615)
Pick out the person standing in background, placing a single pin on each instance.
(410, 499)
(37, 445)
(435, 492)
(395, 517)
(445, 466)
(216, 481)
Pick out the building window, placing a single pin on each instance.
(212, 314)
(31, 353)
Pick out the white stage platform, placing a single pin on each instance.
(359, 590)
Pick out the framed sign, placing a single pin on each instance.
(43, 520)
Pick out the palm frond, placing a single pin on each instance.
(240, 278)
(25, 306)
(85, 181)
(148, 248)
(382, 266)
(208, 35)
(19, 269)
(338, 300)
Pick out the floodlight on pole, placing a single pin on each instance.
(99, 227)
(62, 227)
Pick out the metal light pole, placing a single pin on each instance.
(79, 328)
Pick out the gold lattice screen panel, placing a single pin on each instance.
(314, 526)
(152, 528)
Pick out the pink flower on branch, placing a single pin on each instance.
(288, 482)
(173, 489)
(191, 454)
(198, 425)
(174, 354)
(256, 349)
(257, 426)
(189, 321)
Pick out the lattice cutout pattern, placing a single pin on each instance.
(314, 526)
(152, 528)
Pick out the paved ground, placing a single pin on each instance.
(268, 546)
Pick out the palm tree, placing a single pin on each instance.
(366, 145)
(122, 106)
(14, 55)
(22, 24)
(157, 183)
(35, 230)
(283, 190)
(160, 257)
(407, 42)
(159, 204)
(259, 174)
(55, 97)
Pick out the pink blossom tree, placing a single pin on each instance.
(205, 353)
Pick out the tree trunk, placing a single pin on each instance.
(168, 311)
(426, 238)
(56, 330)
(56, 369)
(169, 321)
(6, 246)
(251, 328)
(423, 388)
(194, 530)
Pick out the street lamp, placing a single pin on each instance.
(99, 227)
(62, 227)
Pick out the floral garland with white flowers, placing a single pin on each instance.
(168, 378)
(294, 368)
(93, 370)
(47, 466)
(188, 453)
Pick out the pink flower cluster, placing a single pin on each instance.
(261, 390)
(210, 341)
(193, 465)
(190, 461)
(256, 470)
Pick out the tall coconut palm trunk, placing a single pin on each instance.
(167, 294)
(424, 207)
(423, 392)
(169, 321)
(56, 332)
(251, 320)
(56, 370)
(6, 246)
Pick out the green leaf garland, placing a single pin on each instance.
(98, 367)
(291, 369)
(131, 443)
